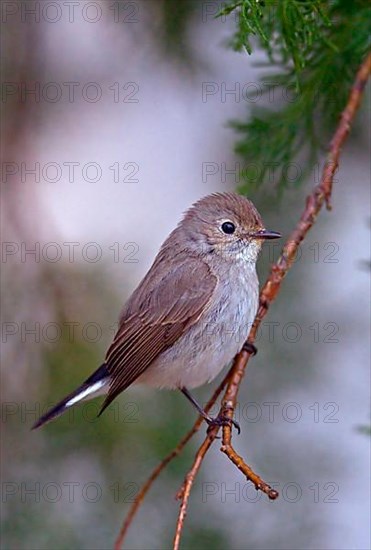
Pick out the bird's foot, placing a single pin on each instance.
(222, 420)
(250, 348)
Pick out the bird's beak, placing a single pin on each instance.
(264, 234)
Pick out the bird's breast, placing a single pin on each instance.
(212, 342)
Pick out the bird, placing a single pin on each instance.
(191, 313)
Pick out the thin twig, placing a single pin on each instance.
(321, 193)
(185, 490)
(157, 471)
(228, 406)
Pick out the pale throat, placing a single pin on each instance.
(249, 254)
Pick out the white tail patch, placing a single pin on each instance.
(98, 388)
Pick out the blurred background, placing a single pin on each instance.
(115, 119)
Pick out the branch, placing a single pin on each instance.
(185, 490)
(138, 501)
(321, 194)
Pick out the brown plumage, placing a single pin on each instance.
(169, 301)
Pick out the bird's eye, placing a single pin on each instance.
(228, 228)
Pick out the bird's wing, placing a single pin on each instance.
(156, 318)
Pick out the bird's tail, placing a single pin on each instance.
(96, 384)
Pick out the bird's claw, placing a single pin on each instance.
(250, 348)
(222, 421)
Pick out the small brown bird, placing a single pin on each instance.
(192, 312)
